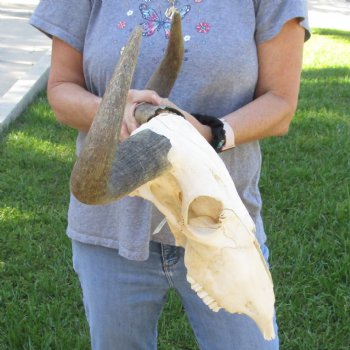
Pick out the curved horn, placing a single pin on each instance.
(163, 79)
(106, 170)
(93, 167)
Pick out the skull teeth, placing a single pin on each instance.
(207, 299)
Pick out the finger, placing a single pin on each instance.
(124, 133)
(149, 96)
(134, 98)
(129, 120)
(167, 102)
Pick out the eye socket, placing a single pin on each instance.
(204, 212)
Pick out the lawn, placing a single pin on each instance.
(306, 191)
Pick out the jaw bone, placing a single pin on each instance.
(167, 162)
(198, 198)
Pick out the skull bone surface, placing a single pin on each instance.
(207, 217)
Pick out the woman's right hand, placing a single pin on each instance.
(129, 123)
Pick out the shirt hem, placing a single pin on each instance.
(273, 31)
(134, 254)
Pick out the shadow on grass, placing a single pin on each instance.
(38, 121)
(336, 74)
(325, 88)
(333, 33)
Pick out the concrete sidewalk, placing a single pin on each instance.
(25, 52)
(334, 14)
(24, 58)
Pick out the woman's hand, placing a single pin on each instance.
(129, 123)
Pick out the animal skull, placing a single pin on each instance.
(198, 198)
(169, 163)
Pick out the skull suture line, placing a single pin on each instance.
(167, 162)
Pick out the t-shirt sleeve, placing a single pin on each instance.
(271, 15)
(65, 19)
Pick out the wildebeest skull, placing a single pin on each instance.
(169, 163)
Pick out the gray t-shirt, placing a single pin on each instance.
(218, 76)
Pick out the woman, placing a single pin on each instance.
(242, 63)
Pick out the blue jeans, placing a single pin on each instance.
(123, 300)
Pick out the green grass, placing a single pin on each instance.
(306, 191)
(40, 304)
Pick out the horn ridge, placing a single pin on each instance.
(141, 158)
